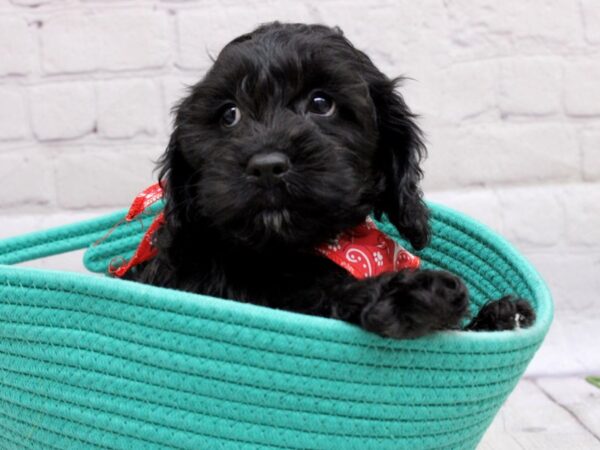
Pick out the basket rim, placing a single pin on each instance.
(256, 316)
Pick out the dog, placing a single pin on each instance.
(292, 138)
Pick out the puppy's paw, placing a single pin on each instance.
(413, 304)
(506, 313)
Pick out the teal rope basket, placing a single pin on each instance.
(88, 361)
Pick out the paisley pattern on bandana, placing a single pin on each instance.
(364, 251)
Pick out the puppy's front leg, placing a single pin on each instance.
(404, 304)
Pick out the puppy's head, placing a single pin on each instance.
(293, 136)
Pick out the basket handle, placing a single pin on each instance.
(57, 240)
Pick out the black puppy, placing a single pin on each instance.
(292, 137)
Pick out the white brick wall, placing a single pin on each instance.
(26, 179)
(13, 115)
(508, 93)
(17, 48)
(127, 108)
(591, 20)
(87, 40)
(590, 145)
(61, 111)
(96, 177)
(582, 90)
(530, 86)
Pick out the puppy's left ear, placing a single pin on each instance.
(399, 155)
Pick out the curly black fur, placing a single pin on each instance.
(504, 314)
(229, 235)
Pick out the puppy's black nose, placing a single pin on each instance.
(268, 167)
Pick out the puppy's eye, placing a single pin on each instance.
(231, 116)
(321, 104)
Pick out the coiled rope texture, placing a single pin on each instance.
(93, 362)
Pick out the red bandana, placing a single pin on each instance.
(364, 251)
(145, 250)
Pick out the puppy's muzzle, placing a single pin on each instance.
(268, 168)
